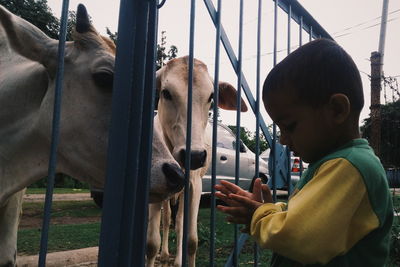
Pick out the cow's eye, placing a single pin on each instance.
(166, 94)
(104, 78)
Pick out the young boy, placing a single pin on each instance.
(340, 213)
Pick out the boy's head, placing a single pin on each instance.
(315, 96)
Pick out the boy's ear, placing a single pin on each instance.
(339, 105)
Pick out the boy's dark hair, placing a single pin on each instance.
(314, 72)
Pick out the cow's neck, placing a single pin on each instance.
(21, 163)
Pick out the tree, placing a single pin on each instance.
(162, 54)
(36, 12)
(39, 14)
(390, 134)
(249, 139)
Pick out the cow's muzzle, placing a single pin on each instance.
(197, 158)
(175, 176)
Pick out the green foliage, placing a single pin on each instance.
(36, 12)
(39, 14)
(390, 134)
(61, 181)
(112, 36)
(163, 54)
(249, 139)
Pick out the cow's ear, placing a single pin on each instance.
(227, 97)
(84, 34)
(27, 40)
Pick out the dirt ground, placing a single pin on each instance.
(57, 197)
(33, 220)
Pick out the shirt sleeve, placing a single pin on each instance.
(324, 219)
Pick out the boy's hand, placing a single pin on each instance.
(242, 204)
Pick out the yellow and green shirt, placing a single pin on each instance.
(339, 215)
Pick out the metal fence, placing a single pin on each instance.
(123, 228)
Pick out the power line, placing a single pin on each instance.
(365, 28)
(363, 23)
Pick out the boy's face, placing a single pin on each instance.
(306, 130)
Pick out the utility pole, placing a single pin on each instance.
(376, 75)
(375, 114)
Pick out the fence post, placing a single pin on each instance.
(375, 102)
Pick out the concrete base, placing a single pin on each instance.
(80, 257)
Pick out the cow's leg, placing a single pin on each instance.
(166, 221)
(153, 233)
(10, 214)
(194, 201)
(179, 231)
(194, 210)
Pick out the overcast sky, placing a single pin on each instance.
(354, 24)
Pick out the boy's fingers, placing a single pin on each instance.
(230, 186)
(226, 199)
(222, 188)
(257, 190)
(266, 191)
(248, 203)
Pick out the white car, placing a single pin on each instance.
(226, 158)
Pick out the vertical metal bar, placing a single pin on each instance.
(258, 98)
(289, 29)
(54, 135)
(301, 32)
(117, 243)
(188, 135)
(310, 35)
(141, 208)
(273, 149)
(238, 105)
(129, 242)
(215, 131)
(289, 183)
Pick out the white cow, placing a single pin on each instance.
(172, 83)
(28, 62)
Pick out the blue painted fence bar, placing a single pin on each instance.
(215, 134)
(141, 194)
(239, 75)
(258, 100)
(54, 136)
(188, 135)
(125, 158)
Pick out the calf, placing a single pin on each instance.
(172, 83)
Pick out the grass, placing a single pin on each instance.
(56, 191)
(66, 237)
(63, 208)
(395, 235)
(61, 237)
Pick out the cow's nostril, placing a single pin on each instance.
(175, 176)
(182, 157)
(197, 159)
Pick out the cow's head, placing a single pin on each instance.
(172, 83)
(86, 98)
